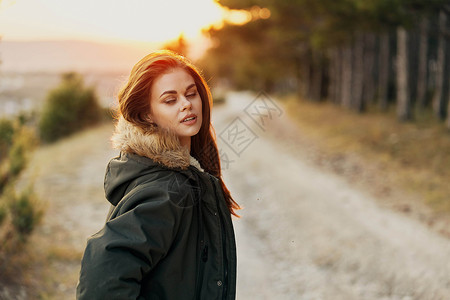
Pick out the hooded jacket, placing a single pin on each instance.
(168, 234)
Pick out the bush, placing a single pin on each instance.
(6, 136)
(2, 214)
(25, 214)
(15, 152)
(19, 213)
(23, 142)
(69, 108)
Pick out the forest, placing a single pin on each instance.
(363, 55)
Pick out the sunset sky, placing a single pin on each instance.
(54, 35)
(107, 20)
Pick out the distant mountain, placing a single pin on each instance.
(81, 56)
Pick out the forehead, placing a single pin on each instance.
(176, 79)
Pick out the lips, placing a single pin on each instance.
(188, 117)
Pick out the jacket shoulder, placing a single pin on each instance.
(168, 185)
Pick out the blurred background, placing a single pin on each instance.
(345, 109)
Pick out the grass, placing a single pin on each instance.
(413, 156)
(68, 177)
(56, 271)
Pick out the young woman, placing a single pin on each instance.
(169, 233)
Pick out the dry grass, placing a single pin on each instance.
(64, 253)
(68, 177)
(412, 156)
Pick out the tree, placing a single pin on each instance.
(438, 97)
(358, 71)
(403, 95)
(448, 107)
(179, 45)
(69, 108)
(383, 71)
(330, 49)
(423, 62)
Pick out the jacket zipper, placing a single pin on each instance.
(200, 244)
(225, 260)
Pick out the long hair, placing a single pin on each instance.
(134, 106)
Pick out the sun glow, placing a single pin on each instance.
(138, 20)
(142, 24)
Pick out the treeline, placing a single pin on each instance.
(355, 53)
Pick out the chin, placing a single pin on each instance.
(194, 132)
(189, 133)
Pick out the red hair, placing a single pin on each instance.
(134, 106)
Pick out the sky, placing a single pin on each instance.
(107, 20)
(138, 25)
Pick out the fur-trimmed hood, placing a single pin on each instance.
(156, 143)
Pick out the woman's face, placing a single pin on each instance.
(173, 97)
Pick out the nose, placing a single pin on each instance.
(185, 104)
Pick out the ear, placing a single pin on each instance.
(150, 120)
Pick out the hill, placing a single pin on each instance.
(81, 56)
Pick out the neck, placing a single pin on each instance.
(186, 142)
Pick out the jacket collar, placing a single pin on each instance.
(156, 143)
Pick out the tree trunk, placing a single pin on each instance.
(423, 63)
(346, 86)
(403, 96)
(305, 75)
(448, 106)
(335, 75)
(383, 73)
(438, 97)
(332, 75)
(339, 75)
(358, 74)
(369, 63)
(316, 78)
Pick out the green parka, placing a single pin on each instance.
(169, 233)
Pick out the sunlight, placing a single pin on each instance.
(154, 21)
(141, 24)
(138, 20)
(238, 17)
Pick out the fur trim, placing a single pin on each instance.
(160, 145)
(195, 163)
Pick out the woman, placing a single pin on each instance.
(169, 233)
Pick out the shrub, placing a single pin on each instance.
(15, 152)
(25, 214)
(6, 136)
(69, 108)
(2, 214)
(19, 213)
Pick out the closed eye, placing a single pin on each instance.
(170, 101)
(192, 94)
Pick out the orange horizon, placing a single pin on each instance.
(105, 21)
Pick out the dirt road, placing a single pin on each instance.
(309, 234)
(304, 233)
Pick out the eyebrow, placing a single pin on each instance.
(174, 92)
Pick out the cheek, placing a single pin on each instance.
(164, 116)
(199, 104)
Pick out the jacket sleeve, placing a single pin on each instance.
(130, 244)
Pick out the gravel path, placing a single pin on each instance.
(304, 233)
(309, 234)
